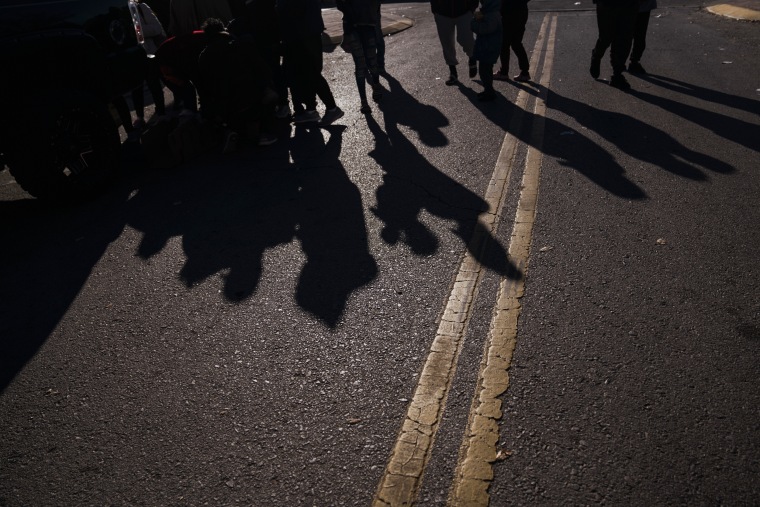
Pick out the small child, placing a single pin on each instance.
(486, 25)
(360, 39)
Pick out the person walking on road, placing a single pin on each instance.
(486, 24)
(301, 28)
(640, 35)
(359, 39)
(514, 17)
(615, 20)
(454, 16)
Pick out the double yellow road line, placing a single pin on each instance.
(403, 474)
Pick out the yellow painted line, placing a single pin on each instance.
(735, 12)
(474, 471)
(403, 473)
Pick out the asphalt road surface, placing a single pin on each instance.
(547, 299)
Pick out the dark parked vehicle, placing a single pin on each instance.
(63, 62)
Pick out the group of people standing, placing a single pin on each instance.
(489, 30)
(243, 59)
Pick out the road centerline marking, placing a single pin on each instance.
(401, 480)
(478, 452)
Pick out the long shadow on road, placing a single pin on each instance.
(47, 256)
(226, 212)
(228, 219)
(412, 184)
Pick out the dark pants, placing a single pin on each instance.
(640, 35)
(380, 43)
(615, 23)
(513, 22)
(303, 63)
(486, 75)
(153, 79)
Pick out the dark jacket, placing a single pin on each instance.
(299, 18)
(488, 33)
(359, 12)
(453, 8)
(509, 5)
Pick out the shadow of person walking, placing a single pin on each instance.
(569, 146)
(228, 219)
(411, 184)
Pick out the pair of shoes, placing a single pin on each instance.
(331, 115)
(487, 96)
(595, 63)
(306, 117)
(500, 76)
(365, 109)
(636, 68)
(282, 111)
(453, 77)
(377, 92)
(267, 139)
(620, 82)
(473, 66)
(522, 77)
(230, 142)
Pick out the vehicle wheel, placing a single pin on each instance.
(66, 147)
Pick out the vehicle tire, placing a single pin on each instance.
(66, 147)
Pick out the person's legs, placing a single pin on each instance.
(138, 100)
(352, 44)
(624, 22)
(156, 87)
(298, 61)
(640, 36)
(503, 73)
(313, 69)
(466, 39)
(605, 27)
(486, 77)
(517, 31)
(445, 27)
(380, 44)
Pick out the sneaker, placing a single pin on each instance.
(331, 115)
(377, 92)
(365, 109)
(500, 76)
(636, 68)
(620, 82)
(306, 117)
(487, 96)
(473, 67)
(523, 77)
(595, 63)
(230, 142)
(282, 111)
(267, 139)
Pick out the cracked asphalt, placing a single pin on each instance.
(251, 329)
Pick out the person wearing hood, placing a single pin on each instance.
(454, 16)
(486, 24)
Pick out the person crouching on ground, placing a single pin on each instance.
(486, 24)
